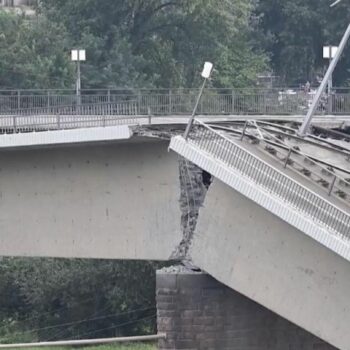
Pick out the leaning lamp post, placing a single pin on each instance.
(206, 73)
(78, 56)
(307, 121)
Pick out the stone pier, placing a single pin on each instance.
(199, 313)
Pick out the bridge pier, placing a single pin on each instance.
(199, 313)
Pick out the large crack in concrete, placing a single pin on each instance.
(194, 183)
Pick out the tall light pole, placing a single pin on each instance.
(78, 56)
(307, 121)
(206, 73)
(329, 53)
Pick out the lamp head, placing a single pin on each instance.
(208, 68)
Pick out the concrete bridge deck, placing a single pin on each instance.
(121, 196)
(271, 234)
(46, 130)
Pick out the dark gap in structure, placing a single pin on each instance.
(207, 179)
(194, 183)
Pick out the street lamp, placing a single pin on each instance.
(78, 56)
(306, 123)
(206, 73)
(329, 53)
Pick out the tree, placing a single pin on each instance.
(294, 32)
(160, 43)
(50, 299)
(33, 53)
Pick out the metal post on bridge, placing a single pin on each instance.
(206, 73)
(307, 121)
(329, 53)
(233, 101)
(18, 99)
(170, 102)
(78, 56)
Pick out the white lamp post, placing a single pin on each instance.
(306, 123)
(206, 73)
(329, 53)
(78, 56)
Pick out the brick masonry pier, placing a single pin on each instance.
(199, 313)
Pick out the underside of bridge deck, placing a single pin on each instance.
(115, 200)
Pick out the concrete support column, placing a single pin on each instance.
(199, 313)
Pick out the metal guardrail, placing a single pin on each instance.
(69, 117)
(181, 102)
(268, 177)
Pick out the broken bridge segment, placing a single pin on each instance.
(271, 237)
(272, 188)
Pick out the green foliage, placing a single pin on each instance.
(50, 299)
(159, 43)
(33, 54)
(294, 32)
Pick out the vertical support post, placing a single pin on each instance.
(18, 99)
(170, 102)
(306, 124)
(139, 100)
(149, 115)
(15, 124)
(287, 159)
(244, 130)
(189, 125)
(78, 84)
(332, 185)
(48, 99)
(58, 122)
(233, 101)
(330, 87)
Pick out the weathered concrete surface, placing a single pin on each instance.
(58, 137)
(117, 200)
(254, 252)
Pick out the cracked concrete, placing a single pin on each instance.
(194, 183)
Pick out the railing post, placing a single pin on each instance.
(15, 124)
(149, 115)
(48, 99)
(332, 185)
(287, 159)
(109, 96)
(170, 102)
(244, 130)
(330, 102)
(139, 100)
(233, 101)
(18, 99)
(58, 122)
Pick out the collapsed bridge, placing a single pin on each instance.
(261, 210)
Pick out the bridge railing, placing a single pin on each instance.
(181, 101)
(126, 108)
(68, 117)
(271, 179)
